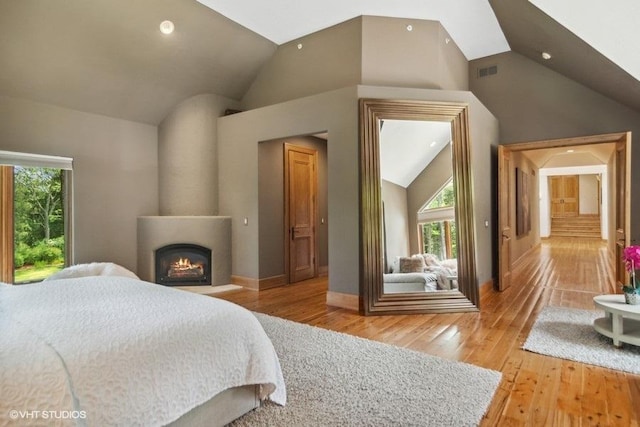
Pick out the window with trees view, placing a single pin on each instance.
(34, 213)
(437, 226)
(39, 223)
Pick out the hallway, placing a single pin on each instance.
(536, 390)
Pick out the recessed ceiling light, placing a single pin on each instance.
(167, 27)
(546, 55)
(569, 151)
(409, 27)
(299, 46)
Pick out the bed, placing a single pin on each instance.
(114, 350)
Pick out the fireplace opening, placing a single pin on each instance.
(183, 264)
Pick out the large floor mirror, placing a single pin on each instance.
(416, 211)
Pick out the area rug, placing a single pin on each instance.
(334, 379)
(568, 333)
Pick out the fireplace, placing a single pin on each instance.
(183, 264)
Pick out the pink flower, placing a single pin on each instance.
(631, 257)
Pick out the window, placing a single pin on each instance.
(436, 224)
(34, 216)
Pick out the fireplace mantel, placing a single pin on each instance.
(213, 232)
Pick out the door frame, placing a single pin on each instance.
(621, 138)
(287, 225)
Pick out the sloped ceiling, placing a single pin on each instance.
(530, 31)
(108, 57)
(408, 146)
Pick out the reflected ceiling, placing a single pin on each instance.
(408, 146)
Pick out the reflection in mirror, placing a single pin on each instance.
(419, 234)
(416, 208)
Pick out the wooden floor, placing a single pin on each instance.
(536, 390)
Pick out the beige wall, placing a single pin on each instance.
(337, 113)
(588, 198)
(115, 171)
(533, 103)
(188, 158)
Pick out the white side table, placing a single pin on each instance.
(621, 322)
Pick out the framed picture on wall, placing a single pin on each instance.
(523, 204)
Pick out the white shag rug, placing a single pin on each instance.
(335, 379)
(568, 333)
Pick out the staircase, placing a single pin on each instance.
(587, 226)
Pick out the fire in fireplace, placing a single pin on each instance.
(183, 264)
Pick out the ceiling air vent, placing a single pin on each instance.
(488, 71)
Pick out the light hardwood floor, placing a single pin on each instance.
(536, 390)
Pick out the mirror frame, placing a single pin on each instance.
(373, 299)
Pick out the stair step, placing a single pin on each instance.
(576, 226)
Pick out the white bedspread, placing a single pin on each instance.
(124, 352)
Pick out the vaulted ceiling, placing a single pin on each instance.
(108, 57)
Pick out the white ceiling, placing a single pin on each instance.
(471, 23)
(408, 146)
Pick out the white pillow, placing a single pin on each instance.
(92, 269)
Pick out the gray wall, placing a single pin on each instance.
(337, 113)
(187, 156)
(534, 103)
(239, 136)
(329, 59)
(271, 202)
(420, 58)
(365, 50)
(396, 221)
(425, 186)
(115, 171)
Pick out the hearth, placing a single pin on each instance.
(183, 264)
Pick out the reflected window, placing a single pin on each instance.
(437, 226)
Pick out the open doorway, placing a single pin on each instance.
(274, 218)
(613, 150)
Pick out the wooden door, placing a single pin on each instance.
(6, 224)
(505, 225)
(300, 212)
(623, 206)
(564, 195)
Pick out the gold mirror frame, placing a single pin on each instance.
(373, 299)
